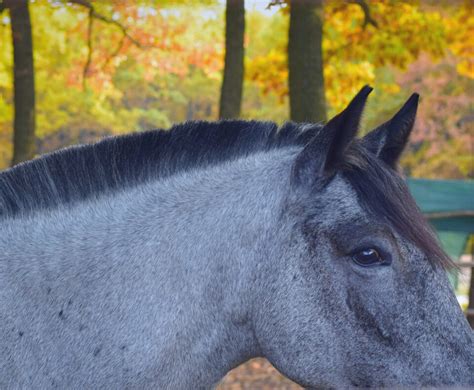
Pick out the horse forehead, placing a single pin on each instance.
(340, 200)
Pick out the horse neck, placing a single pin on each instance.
(191, 243)
(220, 220)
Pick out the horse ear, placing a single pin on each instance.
(325, 150)
(388, 140)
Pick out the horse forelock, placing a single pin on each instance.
(384, 194)
(80, 172)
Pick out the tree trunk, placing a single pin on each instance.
(23, 81)
(305, 61)
(232, 84)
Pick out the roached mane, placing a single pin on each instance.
(79, 172)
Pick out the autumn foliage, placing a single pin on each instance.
(94, 81)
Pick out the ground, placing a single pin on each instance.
(256, 374)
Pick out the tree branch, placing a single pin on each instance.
(93, 14)
(367, 16)
(115, 52)
(103, 18)
(274, 3)
(89, 49)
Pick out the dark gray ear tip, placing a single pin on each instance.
(414, 99)
(409, 108)
(388, 140)
(365, 91)
(358, 102)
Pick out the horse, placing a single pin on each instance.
(164, 259)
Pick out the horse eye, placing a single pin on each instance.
(367, 257)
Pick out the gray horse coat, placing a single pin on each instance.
(164, 259)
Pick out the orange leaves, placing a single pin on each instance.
(156, 38)
(269, 72)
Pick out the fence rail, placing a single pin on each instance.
(466, 264)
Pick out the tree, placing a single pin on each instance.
(167, 59)
(305, 61)
(232, 84)
(23, 81)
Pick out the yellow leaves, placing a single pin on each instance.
(344, 79)
(453, 161)
(5, 78)
(269, 72)
(343, 30)
(391, 89)
(6, 94)
(404, 30)
(352, 50)
(466, 67)
(460, 32)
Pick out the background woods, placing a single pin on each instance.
(105, 67)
